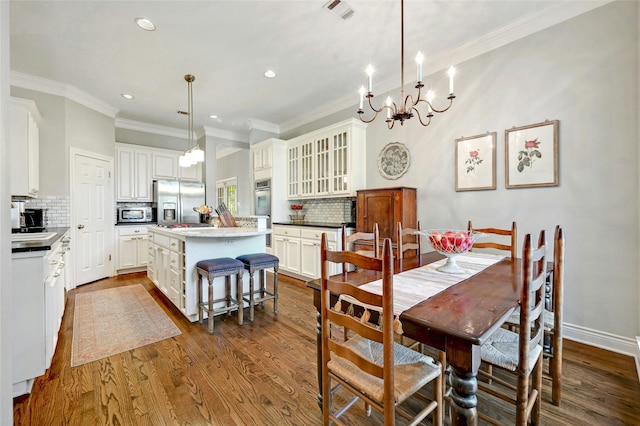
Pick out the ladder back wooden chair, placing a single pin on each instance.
(409, 239)
(349, 242)
(521, 352)
(552, 318)
(370, 365)
(498, 236)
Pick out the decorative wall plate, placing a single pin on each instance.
(394, 160)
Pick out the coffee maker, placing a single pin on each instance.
(34, 220)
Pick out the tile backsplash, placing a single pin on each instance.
(331, 210)
(57, 215)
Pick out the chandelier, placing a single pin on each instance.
(194, 154)
(407, 107)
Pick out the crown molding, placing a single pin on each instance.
(527, 25)
(265, 126)
(139, 126)
(52, 87)
(225, 134)
(555, 13)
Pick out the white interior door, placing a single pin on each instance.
(92, 216)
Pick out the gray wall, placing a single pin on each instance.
(583, 73)
(89, 130)
(237, 165)
(64, 124)
(151, 139)
(54, 157)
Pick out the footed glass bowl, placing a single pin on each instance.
(451, 243)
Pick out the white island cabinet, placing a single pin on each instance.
(174, 253)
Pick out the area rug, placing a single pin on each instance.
(108, 322)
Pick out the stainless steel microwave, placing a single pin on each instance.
(134, 214)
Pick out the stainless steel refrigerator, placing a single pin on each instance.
(175, 200)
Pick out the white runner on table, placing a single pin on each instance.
(415, 285)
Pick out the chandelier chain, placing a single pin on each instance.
(407, 107)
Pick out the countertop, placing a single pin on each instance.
(210, 232)
(38, 245)
(318, 224)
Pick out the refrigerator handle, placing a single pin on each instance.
(179, 208)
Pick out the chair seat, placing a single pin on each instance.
(219, 265)
(258, 259)
(412, 370)
(549, 319)
(502, 350)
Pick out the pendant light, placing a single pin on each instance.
(194, 154)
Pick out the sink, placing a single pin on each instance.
(35, 236)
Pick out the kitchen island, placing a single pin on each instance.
(174, 252)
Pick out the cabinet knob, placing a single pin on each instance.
(81, 226)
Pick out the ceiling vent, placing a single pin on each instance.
(340, 8)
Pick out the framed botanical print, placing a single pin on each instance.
(531, 157)
(476, 162)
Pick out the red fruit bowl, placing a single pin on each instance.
(451, 243)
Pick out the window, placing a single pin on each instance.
(226, 192)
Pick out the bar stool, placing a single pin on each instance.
(220, 267)
(260, 262)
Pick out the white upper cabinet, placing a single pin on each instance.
(165, 165)
(262, 157)
(133, 175)
(325, 163)
(24, 147)
(138, 166)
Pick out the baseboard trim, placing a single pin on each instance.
(638, 356)
(600, 339)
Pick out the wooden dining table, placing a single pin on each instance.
(457, 320)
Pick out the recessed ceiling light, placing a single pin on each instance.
(213, 116)
(127, 96)
(269, 74)
(145, 24)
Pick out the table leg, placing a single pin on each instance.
(464, 360)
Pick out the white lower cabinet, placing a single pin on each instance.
(39, 294)
(166, 267)
(310, 251)
(133, 248)
(298, 249)
(286, 246)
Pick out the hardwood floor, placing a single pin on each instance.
(264, 373)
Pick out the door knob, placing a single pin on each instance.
(80, 226)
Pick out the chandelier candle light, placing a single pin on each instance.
(408, 105)
(194, 154)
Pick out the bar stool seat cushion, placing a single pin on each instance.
(258, 259)
(219, 265)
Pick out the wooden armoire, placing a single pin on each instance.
(386, 207)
